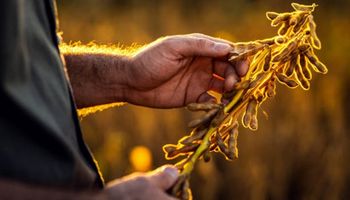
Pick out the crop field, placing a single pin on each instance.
(300, 147)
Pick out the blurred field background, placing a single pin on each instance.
(301, 150)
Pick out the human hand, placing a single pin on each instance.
(152, 185)
(177, 70)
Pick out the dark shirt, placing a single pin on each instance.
(40, 137)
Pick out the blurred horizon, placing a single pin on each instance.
(300, 151)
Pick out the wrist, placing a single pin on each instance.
(131, 79)
(114, 79)
(97, 78)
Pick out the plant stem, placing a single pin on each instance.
(205, 144)
(188, 167)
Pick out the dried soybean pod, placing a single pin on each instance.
(197, 134)
(233, 55)
(300, 7)
(304, 83)
(188, 148)
(237, 49)
(206, 155)
(267, 63)
(321, 67)
(290, 47)
(286, 59)
(256, 81)
(260, 96)
(220, 142)
(280, 18)
(316, 43)
(235, 152)
(252, 45)
(226, 127)
(218, 118)
(233, 141)
(301, 22)
(248, 113)
(293, 20)
(286, 81)
(247, 53)
(234, 128)
(171, 153)
(268, 41)
(271, 15)
(222, 146)
(259, 63)
(202, 106)
(246, 119)
(230, 148)
(205, 119)
(286, 65)
(279, 40)
(315, 63)
(271, 88)
(293, 64)
(303, 48)
(169, 149)
(283, 29)
(240, 48)
(253, 125)
(304, 68)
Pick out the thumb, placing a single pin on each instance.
(194, 46)
(164, 177)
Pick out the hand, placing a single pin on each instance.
(152, 185)
(177, 70)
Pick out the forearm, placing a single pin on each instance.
(96, 77)
(15, 190)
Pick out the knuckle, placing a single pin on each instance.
(204, 43)
(169, 39)
(142, 180)
(197, 34)
(142, 184)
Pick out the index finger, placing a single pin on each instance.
(214, 39)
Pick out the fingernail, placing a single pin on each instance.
(171, 171)
(221, 46)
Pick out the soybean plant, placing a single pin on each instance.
(287, 58)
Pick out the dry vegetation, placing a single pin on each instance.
(300, 150)
(288, 58)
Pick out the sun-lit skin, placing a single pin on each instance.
(170, 72)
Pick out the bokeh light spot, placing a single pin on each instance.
(141, 158)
